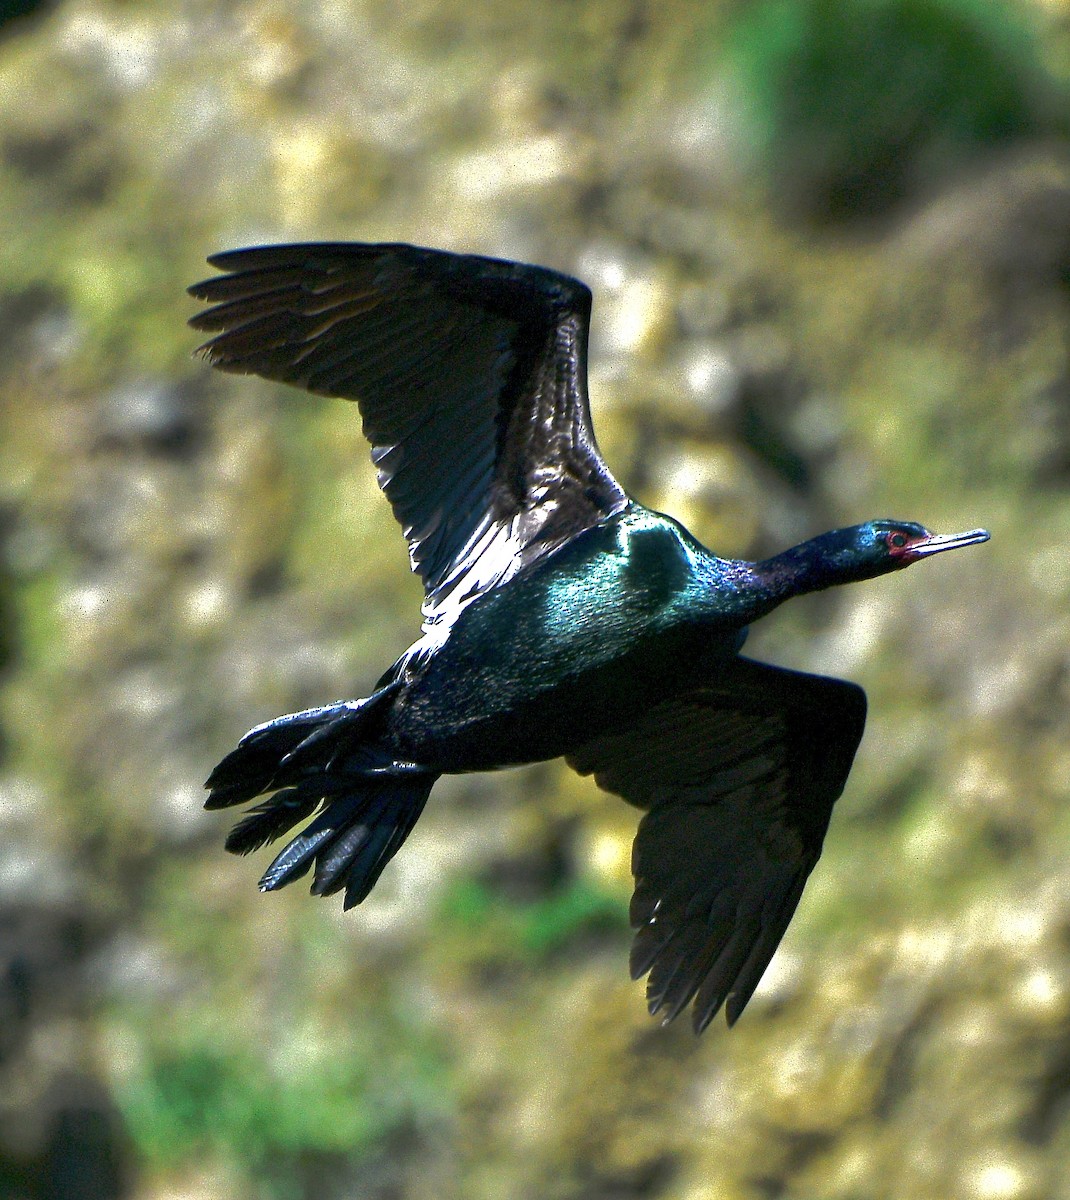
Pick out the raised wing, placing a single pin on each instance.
(471, 377)
(739, 779)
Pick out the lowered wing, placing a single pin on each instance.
(739, 779)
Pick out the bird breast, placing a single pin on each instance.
(586, 639)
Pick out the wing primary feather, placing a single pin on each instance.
(690, 974)
(222, 289)
(685, 945)
(705, 926)
(761, 954)
(377, 343)
(368, 863)
(252, 339)
(721, 975)
(649, 942)
(223, 316)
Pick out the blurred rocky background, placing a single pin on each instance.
(829, 242)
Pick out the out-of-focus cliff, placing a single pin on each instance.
(830, 250)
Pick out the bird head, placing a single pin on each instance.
(885, 545)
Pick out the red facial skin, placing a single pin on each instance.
(903, 546)
(907, 543)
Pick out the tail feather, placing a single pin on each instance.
(315, 840)
(354, 837)
(271, 819)
(374, 854)
(322, 759)
(333, 862)
(368, 841)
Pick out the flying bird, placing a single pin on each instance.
(560, 616)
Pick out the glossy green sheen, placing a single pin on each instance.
(628, 612)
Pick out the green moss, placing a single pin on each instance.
(554, 922)
(530, 931)
(345, 541)
(266, 1109)
(850, 99)
(38, 625)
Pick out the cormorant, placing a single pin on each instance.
(560, 616)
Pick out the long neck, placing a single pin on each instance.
(809, 567)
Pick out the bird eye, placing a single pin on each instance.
(898, 540)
